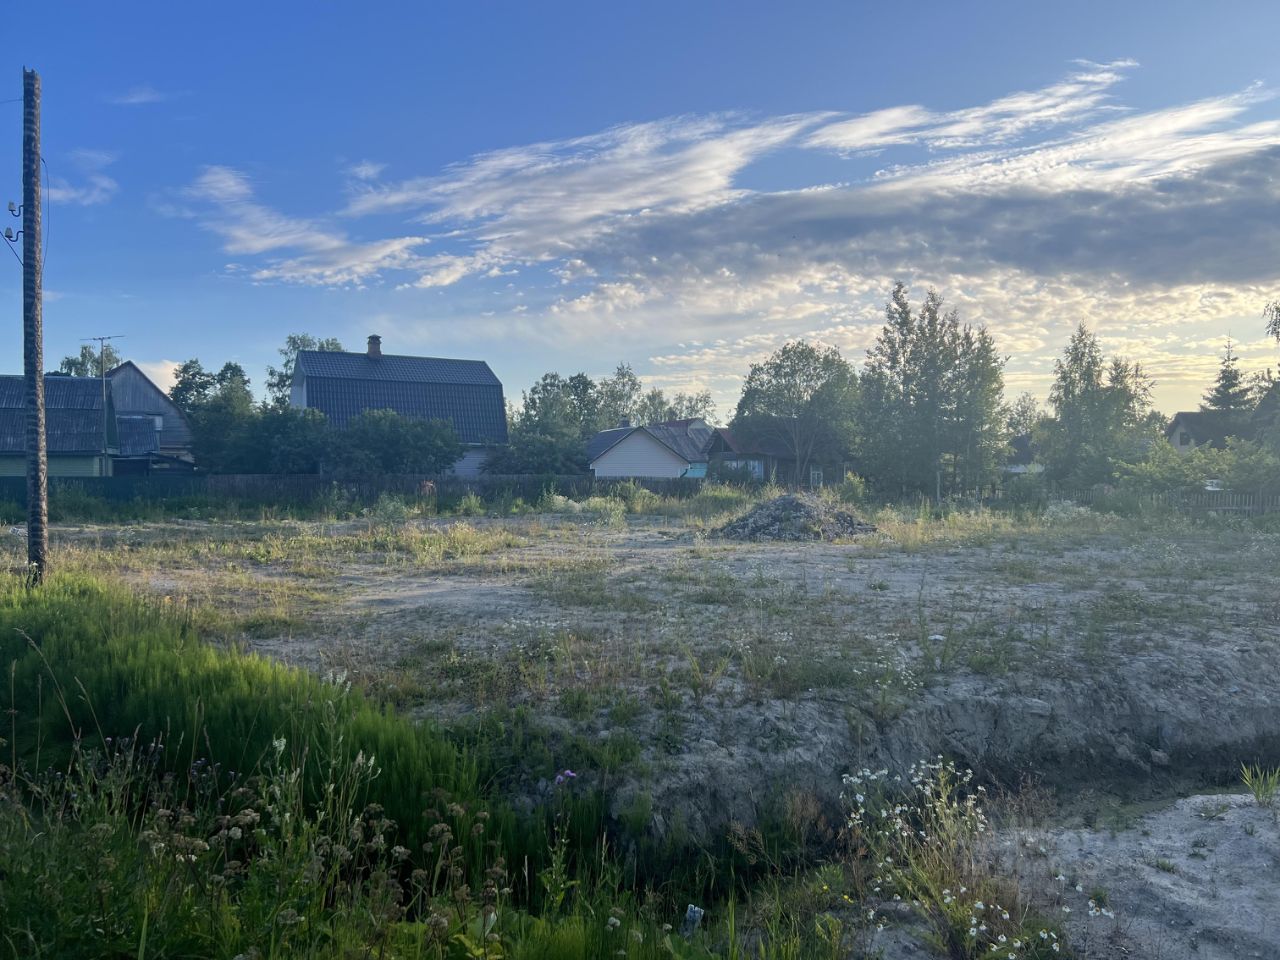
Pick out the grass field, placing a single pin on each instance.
(707, 696)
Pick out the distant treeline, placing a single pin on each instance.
(926, 413)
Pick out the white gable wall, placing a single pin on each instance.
(298, 390)
(471, 464)
(639, 455)
(1176, 432)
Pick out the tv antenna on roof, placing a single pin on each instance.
(102, 374)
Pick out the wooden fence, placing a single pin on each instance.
(269, 489)
(295, 489)
(1199, 503)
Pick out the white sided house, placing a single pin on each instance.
(678, 448)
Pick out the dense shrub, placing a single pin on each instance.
(381, 442)
(1242, 467)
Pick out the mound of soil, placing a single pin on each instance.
(797, 516)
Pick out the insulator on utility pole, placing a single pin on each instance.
(33, 334)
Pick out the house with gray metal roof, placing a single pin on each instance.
(463, 393)
(692, 448)
(677, 448)
(142, 431)
(79, 441)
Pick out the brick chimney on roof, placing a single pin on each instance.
(375, 345)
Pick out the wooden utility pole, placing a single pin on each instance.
(33, 334)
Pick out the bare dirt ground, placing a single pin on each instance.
(709, 681)
(1195, 880)
(1092, 654)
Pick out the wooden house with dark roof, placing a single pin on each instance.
(154, 433)
(464, 393)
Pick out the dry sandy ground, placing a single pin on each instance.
(1100, 660)
(1197, 879)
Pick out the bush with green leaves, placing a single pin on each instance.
(383, 442)
(851, 490)
(1241, 466)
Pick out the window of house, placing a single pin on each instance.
(815, 476)
(1184, 439)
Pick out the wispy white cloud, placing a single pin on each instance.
(163, 373)
(1080, 96)
(302, 250)
(1110, 155)
(92, 185)
(141, 94)
(366, 170)
(536, 203)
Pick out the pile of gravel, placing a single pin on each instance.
(798, 516)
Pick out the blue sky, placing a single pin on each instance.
(684, 186)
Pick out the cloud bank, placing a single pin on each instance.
(670, 240)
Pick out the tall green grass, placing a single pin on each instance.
(163, 797)
(86, 660)
(87, 663)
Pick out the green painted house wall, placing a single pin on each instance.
(69, 466)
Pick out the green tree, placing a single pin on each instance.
(618, 398)
(382, 441)
(222, 421)
(1101, 415)
(560, 406)
(655, 407)
(1232, 396)
(932, 409)
(284, 440)
(530, 450)
(548, 435)
(584, 399)
(280, 379)
(90, 362)
(803, 398)
(978, 435)
(1242, 466)
(652, 408)
(1264, 420)
(192, 385)
(558, 415)
(688, 406)
(1024, 414)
